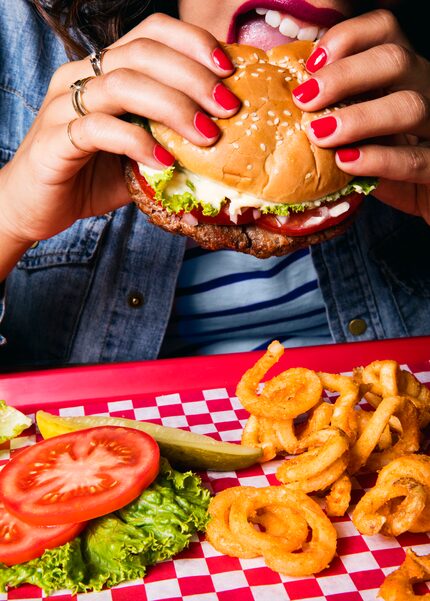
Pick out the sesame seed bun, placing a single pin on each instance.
(264, 150)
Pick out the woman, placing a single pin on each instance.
(95, 282)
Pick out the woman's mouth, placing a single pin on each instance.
(269, 23)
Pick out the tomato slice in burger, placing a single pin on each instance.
(21, 542)
(312, 220)
(79, 476)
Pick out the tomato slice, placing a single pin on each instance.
(78, 476)
(312, 220)
(21, 542)
(142, 181)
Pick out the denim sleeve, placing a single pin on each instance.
(2, 339)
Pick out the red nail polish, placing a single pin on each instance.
(323, 127)
(307, 91)
(221, 60)
(205, 126)
(317, 59)
(347, 155)
(225, 98)
(163, 156)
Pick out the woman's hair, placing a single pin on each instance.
(87, 25)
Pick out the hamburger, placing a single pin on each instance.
(263, 188)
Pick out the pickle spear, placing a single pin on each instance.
(182, 448)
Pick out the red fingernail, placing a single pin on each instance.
(347, 155)
(316, 60)
(163, 156)
(221, 60)
(205, 126)
(323, 127)
(307, 91)
(225, 98)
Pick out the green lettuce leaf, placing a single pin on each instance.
(120, 546)
(12, 422)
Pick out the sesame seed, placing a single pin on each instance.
(279, 142)
(248, 132)
(288, 113)
(213, 149)
(262, 61)
(185, 142)
(297, 126)
(270, 123)
(240, 59)
(170, 144)
(246, 103)
(284, 124)
(264, 98)
(239, 123)
(290, 132)
(308, 175)
(255, 118)
(255, 75)
(276, 171)
(254, 126)
(269, 78)
(249, 167)
(301, 61)
(280, 70)
(260, 70)
(245, 116)
(288, 78)
(235, 145)
(276, 121)
(263, 147)
(255, 55)
(271, 113)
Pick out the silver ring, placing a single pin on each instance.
(69, 133)
(96, 59)
(78, 88)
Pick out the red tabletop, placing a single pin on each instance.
(72, 384)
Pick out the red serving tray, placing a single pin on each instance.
(69, 385)
(198, 393)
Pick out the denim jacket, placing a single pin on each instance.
(103, 290)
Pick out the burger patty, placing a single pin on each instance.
(249, 239)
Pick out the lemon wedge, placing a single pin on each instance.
(180, 447)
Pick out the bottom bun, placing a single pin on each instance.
(249, 239)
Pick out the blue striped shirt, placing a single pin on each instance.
(229, 302)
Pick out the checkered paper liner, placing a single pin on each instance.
(200, 573)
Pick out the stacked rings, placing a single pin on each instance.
(78, 88)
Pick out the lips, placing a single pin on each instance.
(269, 23)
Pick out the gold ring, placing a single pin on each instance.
(78, 88)
(69, 133)
(96, 59)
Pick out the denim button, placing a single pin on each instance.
(357, 327)
(135, 300)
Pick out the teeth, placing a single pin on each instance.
(308, 33)
(273, 18)
(289, 26)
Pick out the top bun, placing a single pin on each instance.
(264, 150)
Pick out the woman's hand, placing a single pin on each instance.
(388, 134)
(164, 70)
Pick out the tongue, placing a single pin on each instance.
(254, 31)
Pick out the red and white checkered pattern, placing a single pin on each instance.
(200, 573)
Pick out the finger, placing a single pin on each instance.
(403, 112)
(190, 40)
(90, 134)
(386, 66)
(356, 35)
(400, 163)
(125, 91)
(155, 60)
(193, 42)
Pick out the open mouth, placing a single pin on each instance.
(269, 23)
